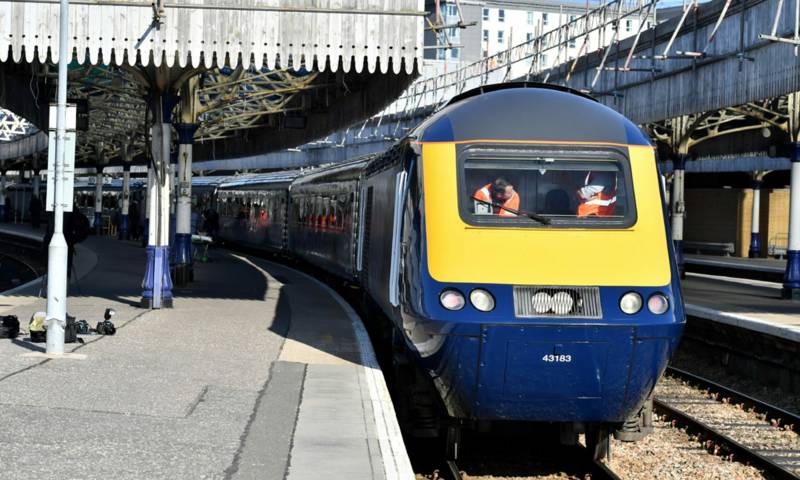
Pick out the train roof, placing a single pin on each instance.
(528, 111)
(259, 179)
(341, 169)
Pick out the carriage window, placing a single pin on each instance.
(542, 191)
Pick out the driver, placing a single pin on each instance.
(598, 195)
(501, 195)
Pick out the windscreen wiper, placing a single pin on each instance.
(533, 216)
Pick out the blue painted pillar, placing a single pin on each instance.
(755, 238)
(157, 283)
(173, 167)
(678, 209)
(183, 212)
(3, 196)
(145, 206)
(791, 278)
(126, 202)
(98, 202)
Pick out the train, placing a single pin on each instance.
(517, 248)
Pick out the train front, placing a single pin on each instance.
(547, 286)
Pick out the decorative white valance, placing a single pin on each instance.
(360, 33)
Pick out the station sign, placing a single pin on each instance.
(68, 173)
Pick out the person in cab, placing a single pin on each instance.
(497, 198)
(598, 195)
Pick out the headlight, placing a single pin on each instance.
(542, 302)
(657, 303)
(482, 300)
(630, 303)
(452, 299)
(562, 303)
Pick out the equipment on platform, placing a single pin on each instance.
(36, 327)
(71, 330)
(83, 327)
(9, 326)
(106, 327)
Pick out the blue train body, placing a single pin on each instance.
(405, 226)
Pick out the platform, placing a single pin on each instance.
(752, 304)
(757, 268)
(258, 372)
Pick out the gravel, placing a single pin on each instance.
(701, 365)
(748, 428)
(670, 454)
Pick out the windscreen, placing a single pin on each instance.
(564, 189)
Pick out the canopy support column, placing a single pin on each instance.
(678, 210)
(755, 237)
(791, 278)
(98, 202)
(124, 224)
(157, 284)
(183, 235)
(2, 196)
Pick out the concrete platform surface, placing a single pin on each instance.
(258, 372)
(752, 304)
(769, 265)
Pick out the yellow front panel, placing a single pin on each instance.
(457, 252)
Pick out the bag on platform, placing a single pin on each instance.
(9, 326)
(70, 330)
(38, 329)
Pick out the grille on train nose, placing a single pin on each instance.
(557, 302)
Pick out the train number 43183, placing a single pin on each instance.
(557, 358)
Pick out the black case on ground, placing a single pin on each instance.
(9, 326)
(70, 332)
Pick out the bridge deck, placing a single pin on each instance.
(257, 371)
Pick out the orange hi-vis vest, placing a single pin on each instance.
(485, 194)
(596, 202)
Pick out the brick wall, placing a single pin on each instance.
(775, 224)
(724, 215)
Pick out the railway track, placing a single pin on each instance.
(719, 436)
(589, 469)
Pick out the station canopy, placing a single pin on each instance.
(271, 74)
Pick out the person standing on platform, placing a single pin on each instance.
(212, 223)
(9, 209)
(133, 220)
(35, 210)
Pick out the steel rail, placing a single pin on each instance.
(600, 471)
(773, 412)
(740, 452)
(596, 469)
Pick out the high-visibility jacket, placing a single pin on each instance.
(485, 193)
(594, 199)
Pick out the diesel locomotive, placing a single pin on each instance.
(517, 243)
